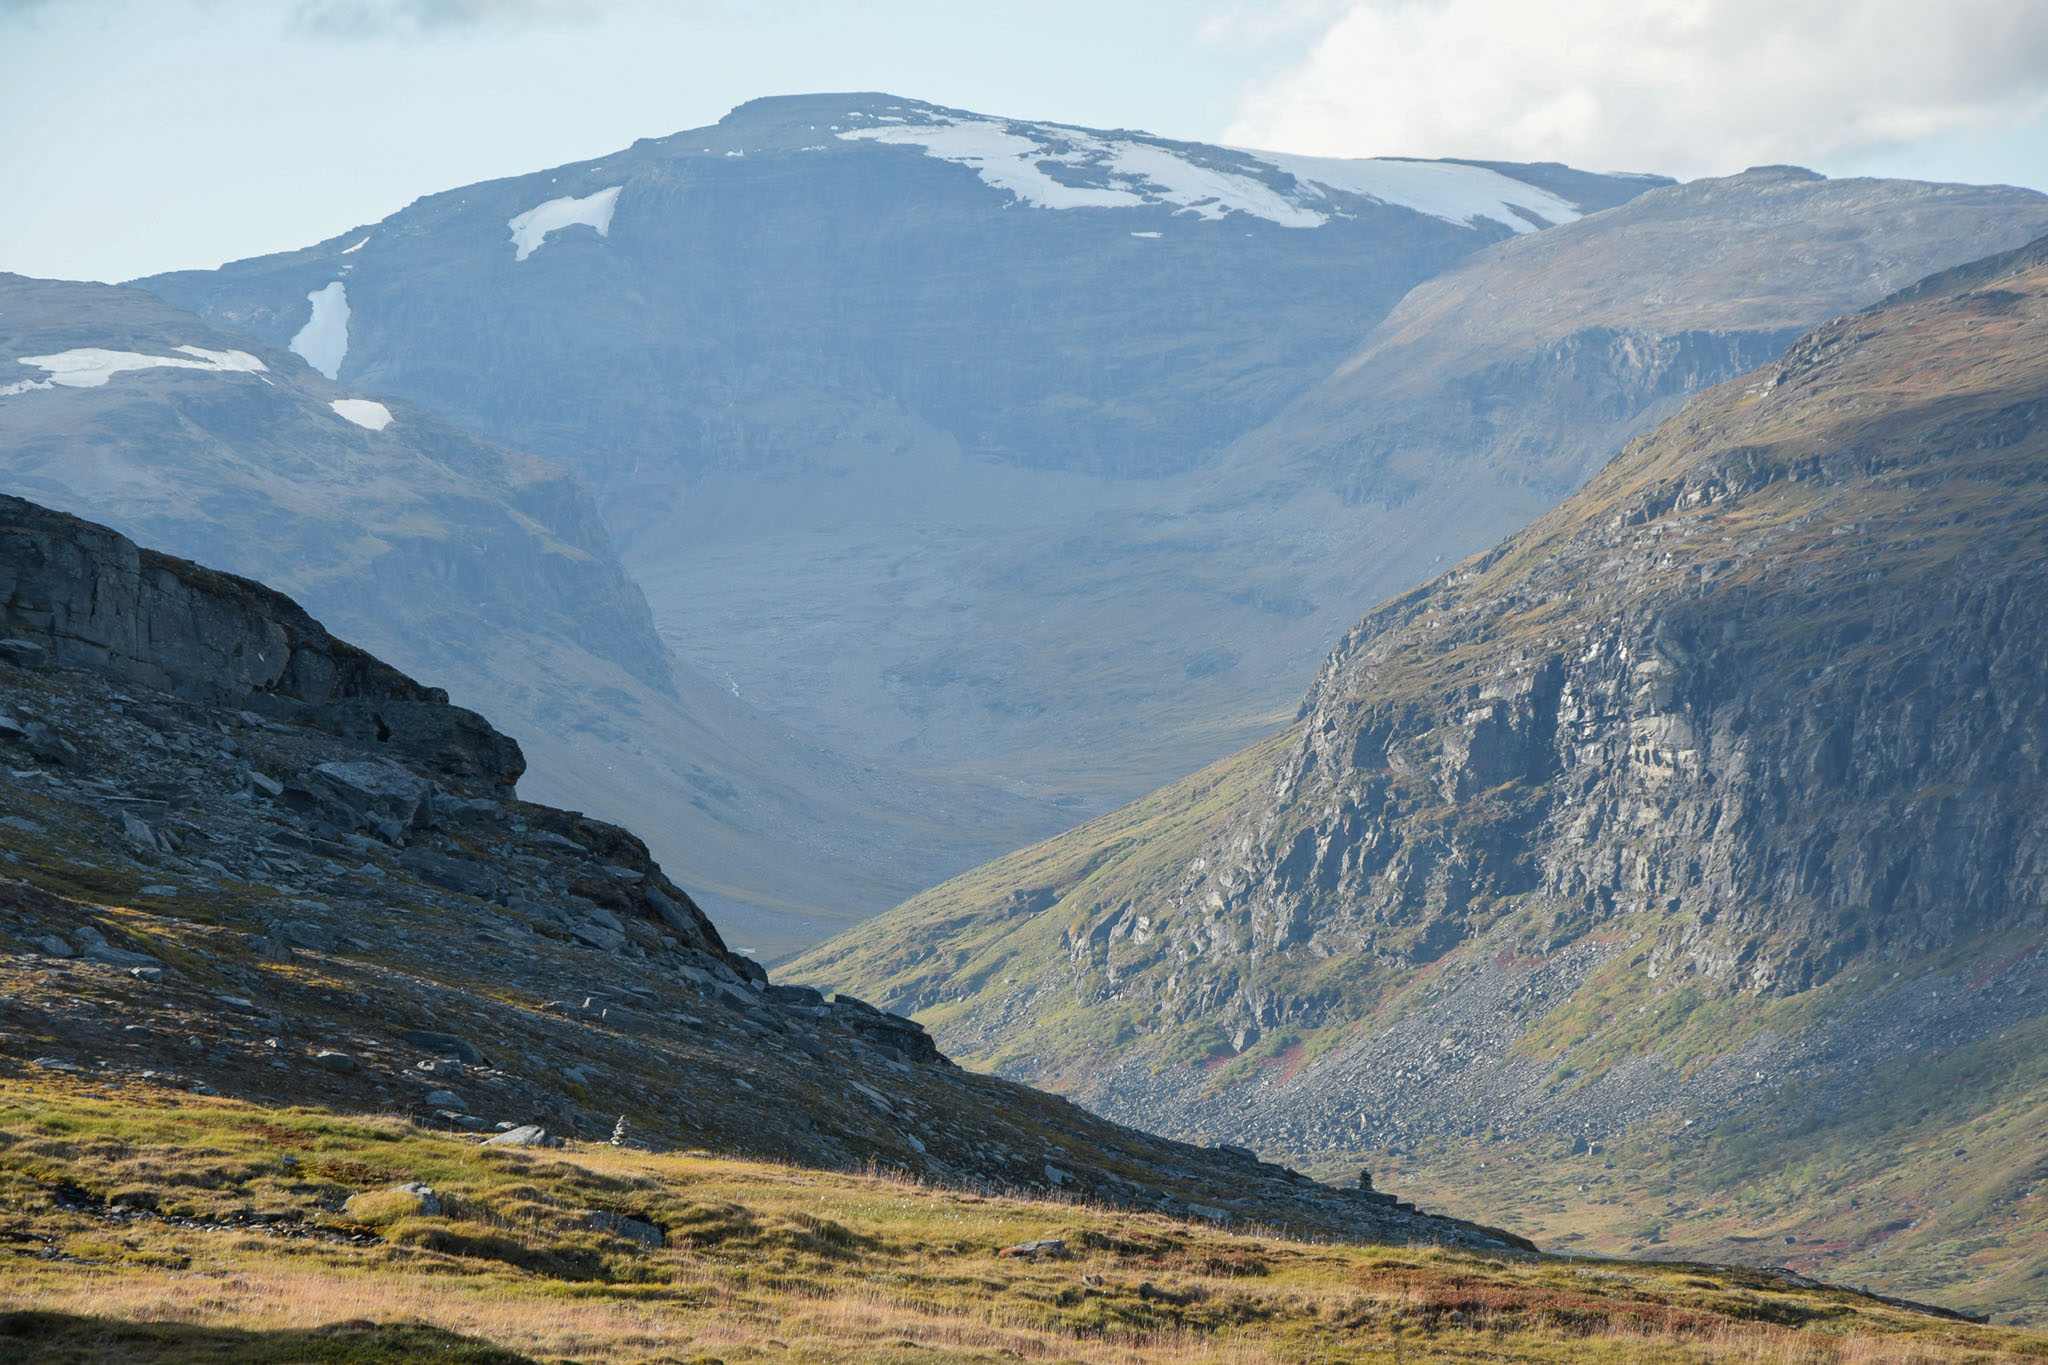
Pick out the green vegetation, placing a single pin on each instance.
(152, 1227)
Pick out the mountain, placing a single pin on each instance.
(1051, 457)
(245, 858)
(485, 570)
(861, 384)
(1496, 388)
(1678, 862)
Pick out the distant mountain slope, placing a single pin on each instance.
(1695, 832)
(861, 382)
(482, 569)
(1496, 388)
(1012, 451)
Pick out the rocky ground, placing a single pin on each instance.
(244, 858)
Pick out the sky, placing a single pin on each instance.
(147, 135)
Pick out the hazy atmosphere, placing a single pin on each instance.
(1343, 681)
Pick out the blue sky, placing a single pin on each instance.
(145, 135)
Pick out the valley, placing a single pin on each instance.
(1676, 822)
(877, 731)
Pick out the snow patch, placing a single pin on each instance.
(1036, 161)
(89, 367)
(351, 250)
(1442, 189)
(1154, 235)
(323, 341)
(531, 228)
(364, 412)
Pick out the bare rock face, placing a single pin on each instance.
(94, 599)
(1774, 673)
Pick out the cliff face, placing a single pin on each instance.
(1715, 794)
(1773, 672)
(89, 598)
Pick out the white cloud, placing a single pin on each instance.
(373, 18)
(1687, 87)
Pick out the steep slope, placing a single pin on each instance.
(1495, 389)
(861, 383)
(1702, 822)
(248, 858)
(483, 569)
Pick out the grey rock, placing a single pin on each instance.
(446, 1045)
(1044, 1249)
(425, 1203)
(526, 1135)
(445, 1099)
(53, 945)
(23, 654)
(47, 745)
(466, 875)
(341, 1063)
(137, 831)
(633, 1229)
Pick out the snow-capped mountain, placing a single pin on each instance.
(855, 379)
(976, 444)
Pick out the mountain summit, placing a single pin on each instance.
(858, 380)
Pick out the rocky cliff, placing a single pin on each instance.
(241, 857)
(1679, 819)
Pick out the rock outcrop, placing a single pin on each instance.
(241, 857)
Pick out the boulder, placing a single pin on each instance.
(445, 1045)
(375, 793)
(526, 1135)
(411, 1200)
(23, 654)
(1046, 1248)
(632, 1227)
(341, 1063)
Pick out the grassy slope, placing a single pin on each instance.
(248, 1256)
(1947, 1143)
(1014, 916)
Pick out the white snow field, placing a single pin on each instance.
(1441, 189)
(91, 366)
(1132, 172)
(323, 341)
(364, 412)
(531, 228)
